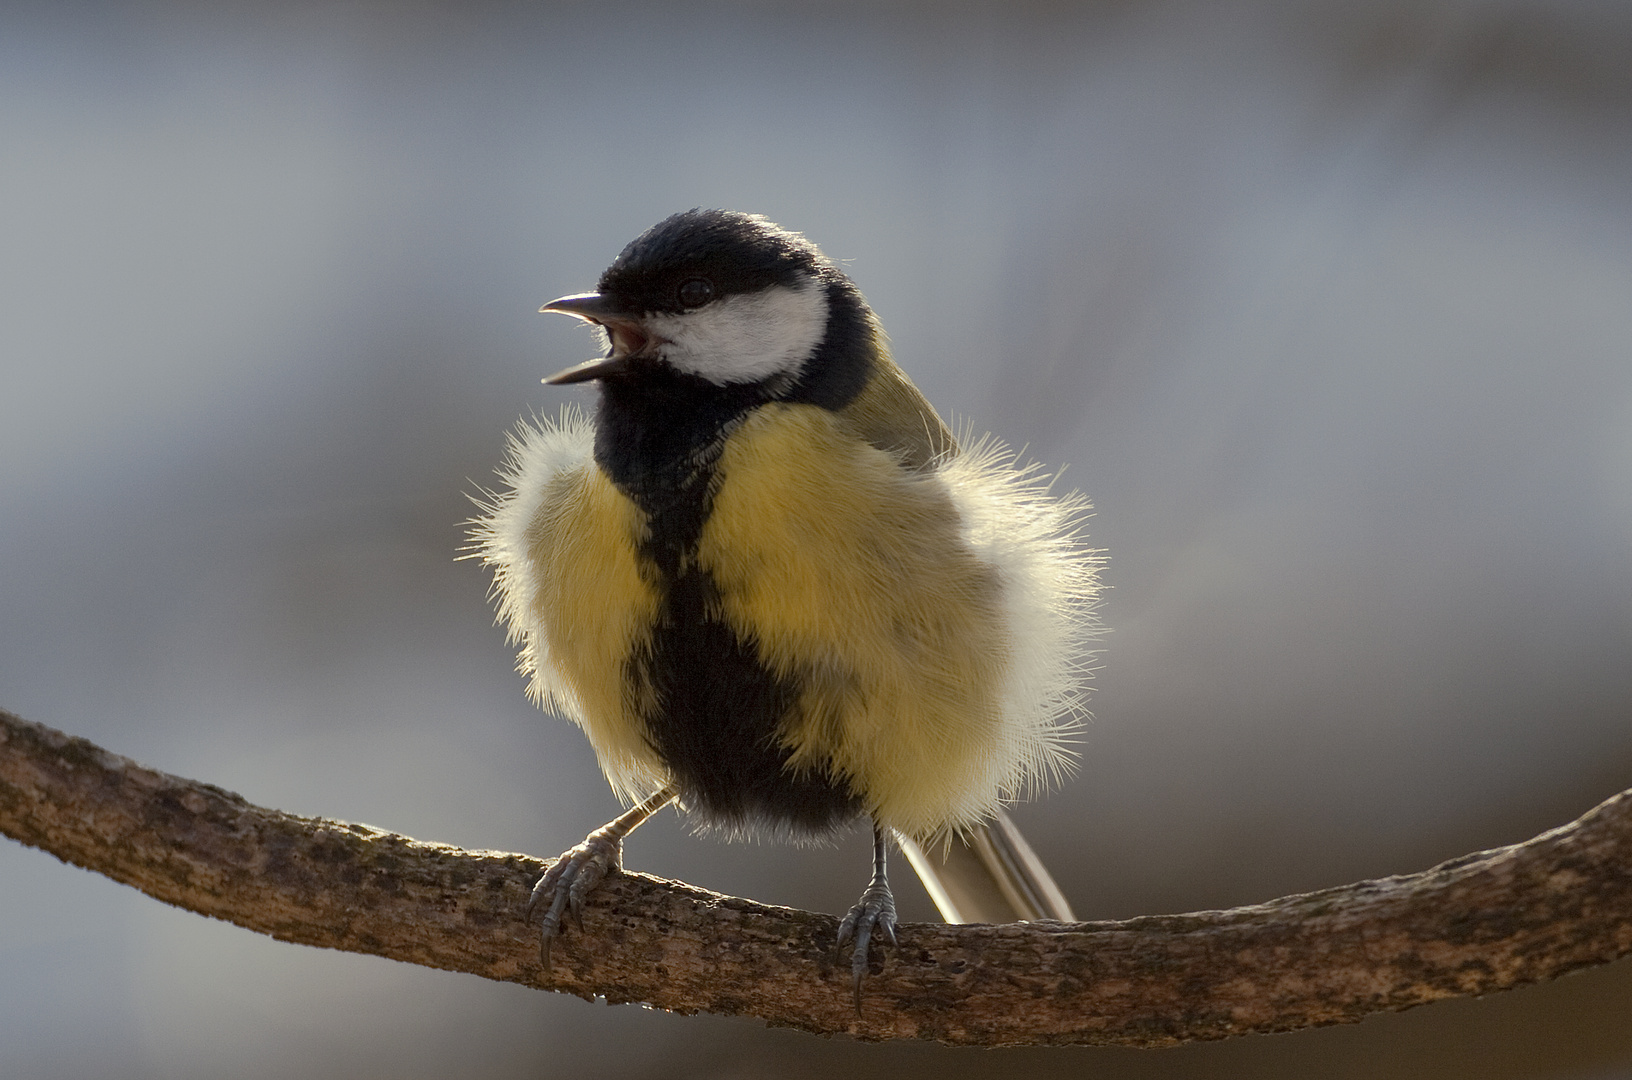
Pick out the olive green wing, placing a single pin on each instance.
(893, 415)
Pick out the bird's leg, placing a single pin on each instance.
(874, 911)
(571, 877)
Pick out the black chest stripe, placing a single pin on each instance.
(716, 710)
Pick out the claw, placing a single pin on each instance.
(544, 887)
(874, 911)
(565, 884)
(576, 873)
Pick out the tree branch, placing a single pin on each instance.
(1481, 923)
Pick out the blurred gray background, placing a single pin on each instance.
(1327, 306)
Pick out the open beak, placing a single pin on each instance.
(622, 326)
(588, 306)
(599, 368)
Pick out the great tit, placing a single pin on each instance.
(769, 584)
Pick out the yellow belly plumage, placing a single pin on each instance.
(850, 575)
(932, 620)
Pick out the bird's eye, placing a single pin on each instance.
(695, 292)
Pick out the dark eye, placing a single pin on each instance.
(696, 292)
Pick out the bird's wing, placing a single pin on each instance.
(988, 875)
(894, 416)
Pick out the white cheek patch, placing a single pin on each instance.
(747, 337)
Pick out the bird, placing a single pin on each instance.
(772, 586)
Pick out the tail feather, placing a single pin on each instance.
(990, 875)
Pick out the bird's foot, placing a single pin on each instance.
(569, 879)
(875, 911)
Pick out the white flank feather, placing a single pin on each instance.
(536, 454)
(1034, 540)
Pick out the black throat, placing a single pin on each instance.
(658, 437)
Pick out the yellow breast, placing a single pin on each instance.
(853, 577)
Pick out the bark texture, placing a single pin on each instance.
(1481, 923)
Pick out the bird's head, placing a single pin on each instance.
(722, 296)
